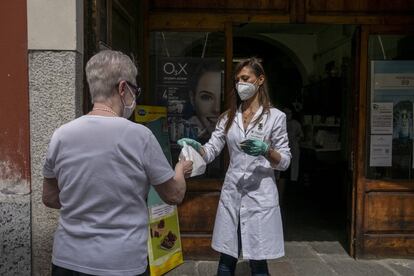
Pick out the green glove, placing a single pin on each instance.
(196, 145)
(254, 147)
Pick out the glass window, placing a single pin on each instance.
(187, 77)
(121, 32)
(391, 100)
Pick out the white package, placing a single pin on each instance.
(190, 154)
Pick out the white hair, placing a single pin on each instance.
(105, 70)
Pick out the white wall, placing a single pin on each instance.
(55, 25)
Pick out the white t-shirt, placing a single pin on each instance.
(104, 166)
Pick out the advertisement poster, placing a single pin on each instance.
(192, 90)
(164, 243)
(392, 82)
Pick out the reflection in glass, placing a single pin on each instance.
(187, 77)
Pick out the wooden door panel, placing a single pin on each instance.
(198, 247)
(392, 245)
(380, 185)
(360, 6)
(198, 212)
(281, 5)
(387, 211)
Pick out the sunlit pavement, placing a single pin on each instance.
(311, 259)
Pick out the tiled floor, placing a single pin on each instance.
(310, 259)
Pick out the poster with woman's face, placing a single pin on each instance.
(191, 88)
(206, 99)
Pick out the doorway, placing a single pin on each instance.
(310, 74)
(318, 61)
(310, 71)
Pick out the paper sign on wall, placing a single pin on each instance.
(381, 151)
(381, 118)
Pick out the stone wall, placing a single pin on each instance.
(55, 88)
(15, 235)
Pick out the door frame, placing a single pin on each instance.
(353, 137)
(155, 20)
(362, 183)
(164, 21)
(227, 28)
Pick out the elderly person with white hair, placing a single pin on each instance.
(98, 171)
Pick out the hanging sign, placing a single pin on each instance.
(164, 242)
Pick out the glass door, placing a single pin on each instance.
(187, 76)
(384, 206)
(391, 100)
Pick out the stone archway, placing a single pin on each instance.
(285, 72)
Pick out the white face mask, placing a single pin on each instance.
(128, 109)
(246, 90)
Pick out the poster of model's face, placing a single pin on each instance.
(191, 88)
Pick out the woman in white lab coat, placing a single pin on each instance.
(248, 220)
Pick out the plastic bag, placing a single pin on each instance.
(190, 154)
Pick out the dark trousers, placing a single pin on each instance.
(60, 271)
(227, 266)
(227, 263)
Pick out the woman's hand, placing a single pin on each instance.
(254, 147)
(193, 143)
(187, 167)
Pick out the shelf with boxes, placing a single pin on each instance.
(321, 135)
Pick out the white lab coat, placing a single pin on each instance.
(249, 192)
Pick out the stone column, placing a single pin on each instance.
(55, 39)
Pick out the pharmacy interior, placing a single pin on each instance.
(346, 84)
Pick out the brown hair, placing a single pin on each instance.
(233, 98)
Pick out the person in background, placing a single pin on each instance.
(295, 134)
(98, 171)
(205, 98)
(248, 220)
